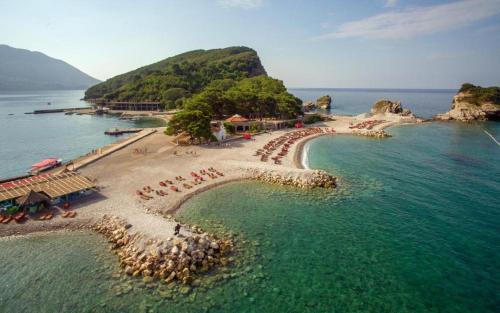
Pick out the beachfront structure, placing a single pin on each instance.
(127, 105)
(44, 189)
(243, 124)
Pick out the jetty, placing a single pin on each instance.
(47, 111)
(117, 131)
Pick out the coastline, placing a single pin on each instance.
(121, 171)
(178, 205)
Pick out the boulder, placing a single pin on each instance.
(388, 106)
(308, 106)
(324, 102)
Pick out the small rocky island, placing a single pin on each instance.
(473, 103)
(324, 102)
(387, 106)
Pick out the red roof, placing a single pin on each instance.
(24, 181)
(46, 162)
(236, 118)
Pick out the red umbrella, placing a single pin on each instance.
(247, 136)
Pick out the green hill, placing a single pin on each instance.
(180, 76)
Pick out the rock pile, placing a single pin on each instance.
(297, 178)
(173, 259)
(373, 133)
(308, 106)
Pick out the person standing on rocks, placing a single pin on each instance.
(177, 229)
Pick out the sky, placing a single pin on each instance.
(305, 43)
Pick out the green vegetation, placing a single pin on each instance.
(312, 118)
(205, 85)
(256, 97)
(255, 127)
(194, 122)
(478, 95)
(230, 127)
(176, 78)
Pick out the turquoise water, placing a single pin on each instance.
(413, 227)
(29, 138)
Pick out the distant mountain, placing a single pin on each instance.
(180, 76)
(22, 69)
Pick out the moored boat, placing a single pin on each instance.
(44, 165)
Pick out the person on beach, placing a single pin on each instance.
(177, 229)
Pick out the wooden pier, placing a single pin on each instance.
(57, 110)
(117, 131)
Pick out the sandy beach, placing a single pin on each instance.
(154, 158)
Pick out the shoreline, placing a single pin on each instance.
(165, 160)
(178, 205)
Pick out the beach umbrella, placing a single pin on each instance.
(32, 198)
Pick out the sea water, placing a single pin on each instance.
(28, 138)
(412, 227)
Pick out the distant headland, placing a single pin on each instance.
(22, 69)
(474, 103)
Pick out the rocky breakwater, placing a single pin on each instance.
(372, 133)
(173, 259)
(300, 178)
(473, 103)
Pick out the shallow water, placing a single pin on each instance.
(29, 138)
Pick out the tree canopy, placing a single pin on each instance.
(180, 76)
(256, 97)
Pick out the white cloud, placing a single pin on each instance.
(418, 21)
(244, 4)
(391, 3)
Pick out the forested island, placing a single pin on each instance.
(204, 84)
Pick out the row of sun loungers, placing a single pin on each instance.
(367, 124)
(23, 216)
(285, 142)
(146, 192)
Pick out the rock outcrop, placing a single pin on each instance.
(293, 177)
(324, 102)
(387, 106)
(180, 258)
(308, 106)
(474, 103)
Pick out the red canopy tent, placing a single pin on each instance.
(247, 136)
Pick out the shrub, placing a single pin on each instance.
(291, 124)
(255, 127)
(312, 118)
(231, 128)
